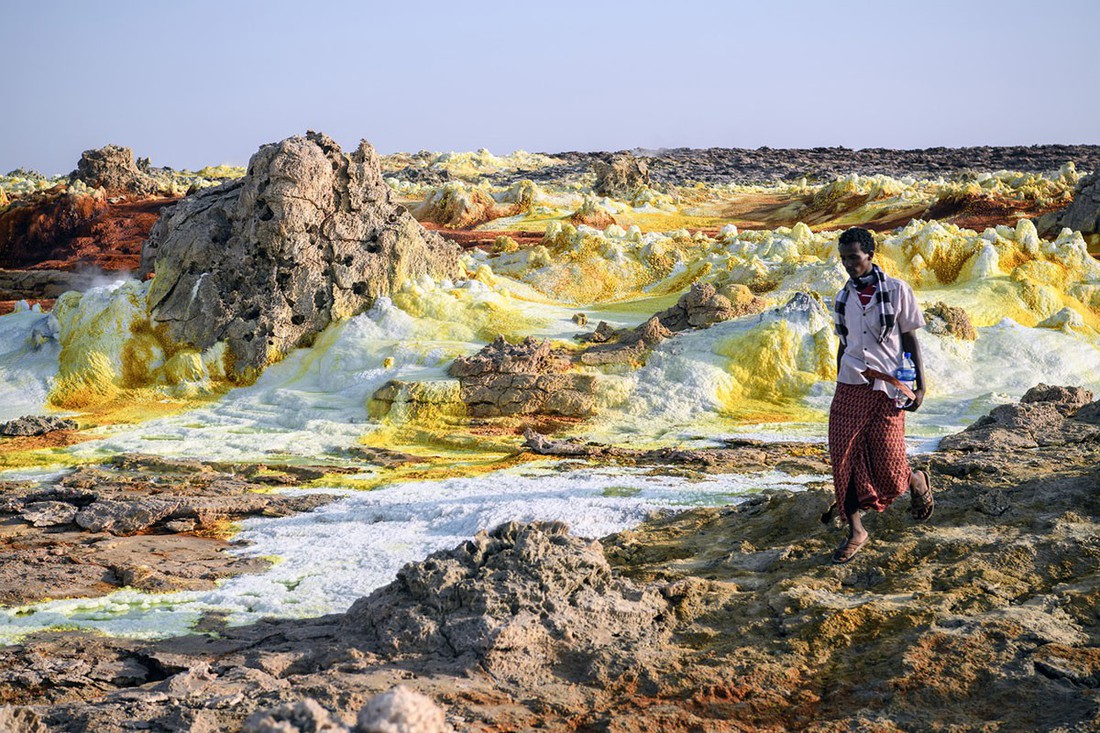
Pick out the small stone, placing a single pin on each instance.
(580, 319)
(401, 711)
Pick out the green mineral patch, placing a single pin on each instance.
(622, 492)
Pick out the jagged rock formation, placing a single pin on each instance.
(264, 263)
(1083, 213)
(943, 319)
(112, 168)
(522, 379)
(35, 425)
(517, 602)
(620, 176)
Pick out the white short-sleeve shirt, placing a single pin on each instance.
(864, 325)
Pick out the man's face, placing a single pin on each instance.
(855, 260)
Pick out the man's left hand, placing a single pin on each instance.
(918, 398)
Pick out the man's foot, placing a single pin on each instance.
(848, 550)
(921, 501)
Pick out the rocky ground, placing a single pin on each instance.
(983, 618)
(148, 523)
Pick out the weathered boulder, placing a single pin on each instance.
(112, 167)
(401, 710)
(264, 263)
(456, 206)
(1067, 400)
(703, 306)
(1083, 213)
(1090, 413)
(36, 425)
(522, 379)
(621, 175)
(946, 320)
(517, 601)
(435, 399)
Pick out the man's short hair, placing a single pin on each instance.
(860, 236)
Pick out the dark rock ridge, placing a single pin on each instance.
(112, 168)
(1083, 213)
(522, 379)
(264, 263)
(35, 425)
(681, 166)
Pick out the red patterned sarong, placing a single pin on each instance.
(867, 447)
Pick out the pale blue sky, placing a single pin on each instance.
(196, 83)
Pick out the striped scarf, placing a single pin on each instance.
(881, 296)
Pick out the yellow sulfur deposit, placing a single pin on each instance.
(775, 365)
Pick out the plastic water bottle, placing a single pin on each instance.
(906, 373)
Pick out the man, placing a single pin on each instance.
(876, 318)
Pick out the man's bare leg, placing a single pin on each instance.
(857, 535)
(921, 502)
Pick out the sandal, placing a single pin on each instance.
(922, 504)
(848, 550)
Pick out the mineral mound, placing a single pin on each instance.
(265, 262)
(523, 379)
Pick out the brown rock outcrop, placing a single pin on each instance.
(1045, 415)
(717, 619)
(264, 263)
(591, 215)
(620, 176)
(703, 306)
(522, 379)
(943, 319)
(518, 601)
(112, 168)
